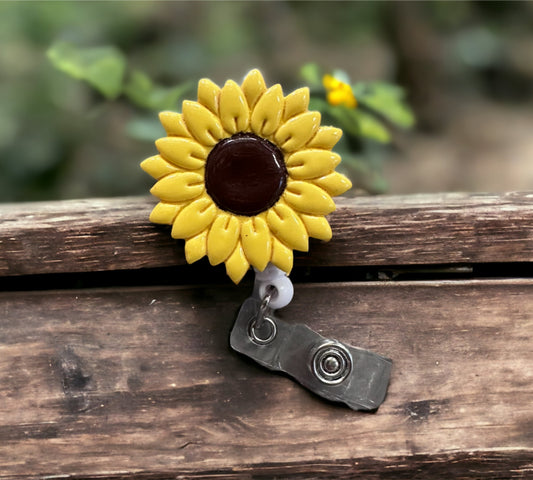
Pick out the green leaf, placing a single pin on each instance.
(368, 89)
(358, 123)
(101, 67)
(370, 126)
(345, 118)
(311, 75)
(143, 92)
(387, 100)
(319, 103)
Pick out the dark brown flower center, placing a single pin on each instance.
(245, 174)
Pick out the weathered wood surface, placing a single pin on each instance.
(100, 235)
(108, 383)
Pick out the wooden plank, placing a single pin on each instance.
(110, 234)
(140, 382)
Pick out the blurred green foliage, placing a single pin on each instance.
(58, 139)
(101, 67)
(61, 138)
(378, 103)
(104, 69)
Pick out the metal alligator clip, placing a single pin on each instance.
(331, 369)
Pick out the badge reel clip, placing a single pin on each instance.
(329, 368)
(245, 175)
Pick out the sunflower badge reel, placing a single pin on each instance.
(245, 176)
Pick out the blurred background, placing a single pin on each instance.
(467, 68)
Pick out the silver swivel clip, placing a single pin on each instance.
(335, 371)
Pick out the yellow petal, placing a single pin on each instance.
(296, 103)
(173, 124)
(282, 256)
(266, 115)
(234, 111)
(308, 198)
(342, 97)
(257, 242)
(196, 247)
(179, 187)
(317, 227)
(253, 87)
(285, 224)
(334, 183)
(330, 82)
(208, 94)
(157, 167)
(326, 138)
(182, 152)
(165, 213)
(222, 238)
(237, 265)
(297, 131)
(203, 124)
(194, 218)
(306, 164)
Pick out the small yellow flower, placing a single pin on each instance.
(245, 175)
(338, 93)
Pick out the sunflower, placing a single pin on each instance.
(245, 175)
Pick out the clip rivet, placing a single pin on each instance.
(262, 334)
(332, 364)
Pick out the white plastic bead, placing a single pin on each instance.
(272, 275)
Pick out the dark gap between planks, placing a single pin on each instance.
(187, 275)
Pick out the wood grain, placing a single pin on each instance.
(111, 234)
(140, 382)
